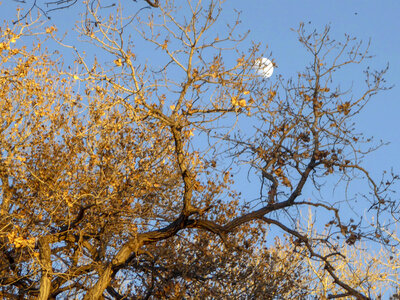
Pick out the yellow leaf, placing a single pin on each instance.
(165, 45)
(11, 236)
(286, 182)
(3, 46)
(50, 29)
(242, 103)
(234, 101)
(278, 171)
(76, 77)
(18, 242)
(118, 62)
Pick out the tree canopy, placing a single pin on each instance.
(118, 172)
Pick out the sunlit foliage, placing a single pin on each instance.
(117, 170)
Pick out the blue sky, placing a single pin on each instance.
(270, 22)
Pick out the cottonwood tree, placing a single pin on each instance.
(117, 173)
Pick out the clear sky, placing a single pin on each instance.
(270, 21)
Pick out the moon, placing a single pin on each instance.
(264, 67)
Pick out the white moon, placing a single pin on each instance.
(264, 67)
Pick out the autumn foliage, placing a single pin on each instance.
(118, 173)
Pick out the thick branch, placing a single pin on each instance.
(7, 190)
(154, 3)
(132, 246)
(45, 260)
(183, 167)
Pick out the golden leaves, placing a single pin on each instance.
(51, 29)
(164, 46)
(278, 172)
(238, 102)
(195, 73)
(4, 46)
(242, 102)
(325, 90)
(20, 242)
(285, 181)
(321, 154)
(240, 61)
(130, 54)
(344, 108)
(189, 133)
(271, 95)
(119, 152)
(118, 62)
(226, 177)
